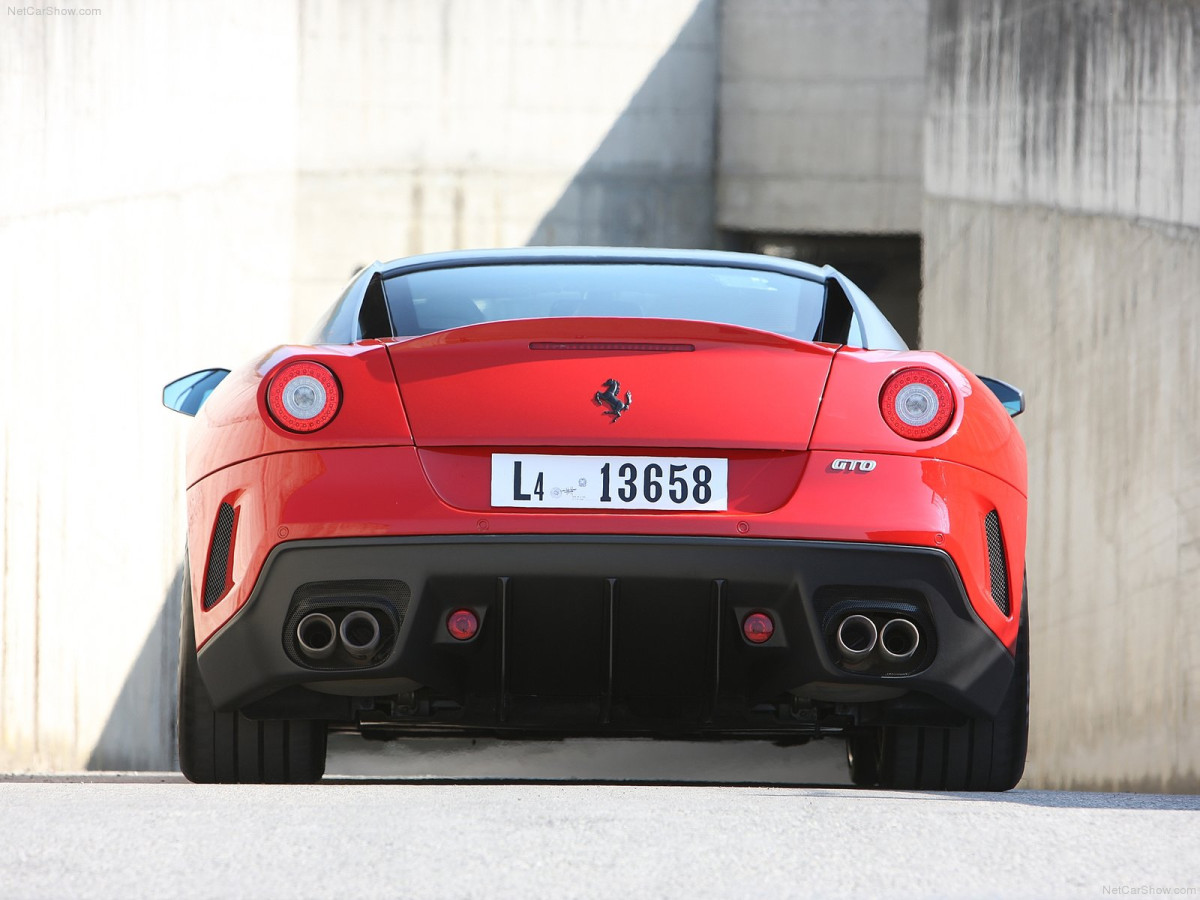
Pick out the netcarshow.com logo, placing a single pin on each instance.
(53, 11)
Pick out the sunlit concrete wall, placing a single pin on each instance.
(146, 202)
(1062, 252)
(185, 184)
(821, 108)
(480, 123)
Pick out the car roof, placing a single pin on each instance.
(627, 255)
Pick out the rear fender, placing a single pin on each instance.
(234, 425)
(981, 433)
(981, 436)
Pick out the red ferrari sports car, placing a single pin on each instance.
(568, 492)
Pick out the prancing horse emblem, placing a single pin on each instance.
(611, 397)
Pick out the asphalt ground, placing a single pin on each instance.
(581, 819)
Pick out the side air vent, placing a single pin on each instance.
(996, 562)
(216, 574)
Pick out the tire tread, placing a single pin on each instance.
(217, 747)
(984, 754)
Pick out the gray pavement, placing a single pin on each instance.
(517, 822)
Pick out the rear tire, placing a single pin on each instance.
(985, 754)
(226, 747)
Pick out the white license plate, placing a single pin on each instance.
(609, 482)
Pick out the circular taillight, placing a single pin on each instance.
(758, 628)
(462, 624)
(917, 404)
(303, 396)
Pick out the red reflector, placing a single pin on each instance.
(758, 628)
(611, 345)
(462, 624)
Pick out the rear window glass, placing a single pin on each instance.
(439, 299)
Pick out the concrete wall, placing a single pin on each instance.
(1062, 252)
(820, 109)
(480, 123)
(167, 169)
(184, 185)
(146, 200)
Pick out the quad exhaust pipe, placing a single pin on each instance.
(360, 633)
(856, 638)
(317, 635)
(898, 640)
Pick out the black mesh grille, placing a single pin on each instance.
(996, 562)
(218, 557)
(395, 592)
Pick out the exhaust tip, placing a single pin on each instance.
(856, 637)
(899, 640)
(360, 634)
(317, 635)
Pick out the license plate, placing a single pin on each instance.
(609, 482)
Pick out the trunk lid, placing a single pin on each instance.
(550, 383)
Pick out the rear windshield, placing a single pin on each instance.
(438, 299)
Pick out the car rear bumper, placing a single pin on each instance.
(610, 633)
(369, 492)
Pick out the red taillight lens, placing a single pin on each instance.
(917, 404)
(303, 396)
(758, 628)
(462, 624)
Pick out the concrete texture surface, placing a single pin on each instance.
(430, 125)
(1083, 105)
(820, 116)
(142, 209)
(1062, 253)
(414, 839)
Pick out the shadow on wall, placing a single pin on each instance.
(651, 182)
(140, 731)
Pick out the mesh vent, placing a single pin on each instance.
(218, 557)
(996, 562)
(395, 592)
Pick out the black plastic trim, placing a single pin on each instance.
(245, 660)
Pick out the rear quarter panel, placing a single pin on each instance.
(981, 434)
(981, 437)
(234, 425)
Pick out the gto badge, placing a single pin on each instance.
(853, 465)
(611, 397)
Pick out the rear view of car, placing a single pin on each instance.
(605, 492)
